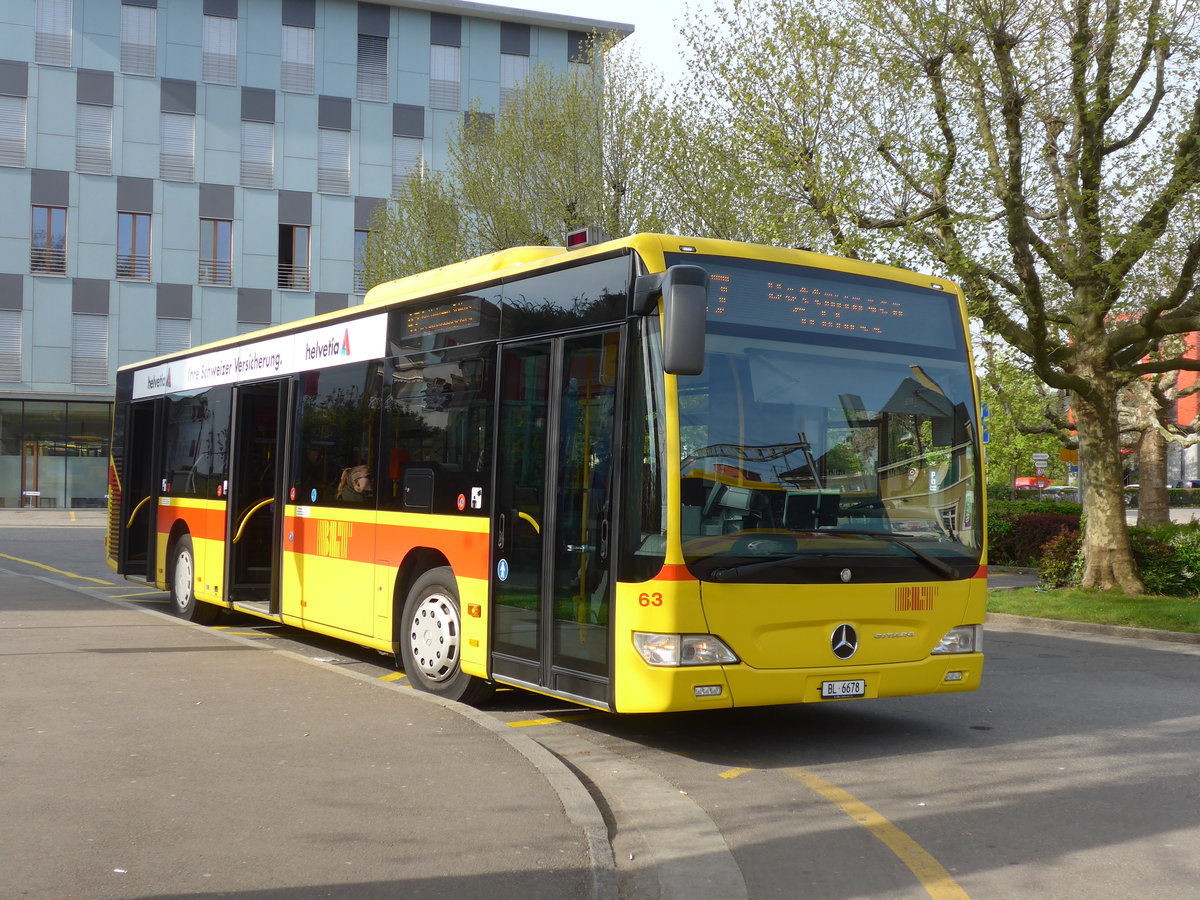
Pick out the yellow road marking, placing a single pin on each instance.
(938, 883)
(139, 594)
(392, 676)
(72, 514)
(734, 773)
(30, 562)
(552, 720)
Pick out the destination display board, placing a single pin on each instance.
(820, 301)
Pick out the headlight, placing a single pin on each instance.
(682, 649)
(963, 639)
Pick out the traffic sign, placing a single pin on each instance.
(1040, 458)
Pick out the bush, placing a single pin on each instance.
(1168, 558)
(1061, 564)
(1019, 532)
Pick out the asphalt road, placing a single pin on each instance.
(1072, 773)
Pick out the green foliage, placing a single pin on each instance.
(1061, 562)
(1168, 558)
(569, 149)
(1021, 539)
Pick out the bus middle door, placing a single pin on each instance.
(255, 499)
(551, 529)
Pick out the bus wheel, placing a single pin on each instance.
(183, 584)
(431, 640)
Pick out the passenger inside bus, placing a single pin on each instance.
(355, 485)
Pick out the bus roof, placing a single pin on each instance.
(503, 264)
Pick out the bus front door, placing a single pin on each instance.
(254, 500)
(551, 528)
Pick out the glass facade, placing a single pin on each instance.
(54, 454)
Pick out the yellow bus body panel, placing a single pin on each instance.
(782, 635)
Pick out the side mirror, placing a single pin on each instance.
(684, 290)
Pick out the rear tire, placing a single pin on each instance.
(183, 585)
(430, 637)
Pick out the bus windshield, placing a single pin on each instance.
(831, 435)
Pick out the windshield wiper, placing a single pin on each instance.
(729, 573)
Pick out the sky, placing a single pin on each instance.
(655, 24)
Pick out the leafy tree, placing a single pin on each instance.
(569, 149)
(1025, 418)
(1046, 155)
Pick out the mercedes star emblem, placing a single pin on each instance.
(844, 641)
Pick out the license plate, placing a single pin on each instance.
(832, 690)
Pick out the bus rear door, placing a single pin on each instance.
(138, 535)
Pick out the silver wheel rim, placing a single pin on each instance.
(433, 637)
(183, 580)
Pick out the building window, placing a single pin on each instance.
(10, 345)
(216, 261)
(360, 260)
(408, 159)
(177, 147)
(333, 161)
(220, 50)
(139, 40)
(514, 70)
(444, 77)
(172, 335)
(12, 131)
(258, 154)
(93, 139)
(133, 245)
(52, 32)
(48, 241)
(579, 48)
(297, 65)
(294, 270)
(372, 67)
(89, 349)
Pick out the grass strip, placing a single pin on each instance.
(1100, 607)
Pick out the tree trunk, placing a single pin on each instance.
(1108, 559)
(1153, 508)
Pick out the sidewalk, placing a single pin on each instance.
(145, 756)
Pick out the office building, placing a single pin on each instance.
(179, 171)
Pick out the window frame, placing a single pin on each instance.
(48, 259)
(301, 77)
(138, 265)
(137, 56)
(219, 271)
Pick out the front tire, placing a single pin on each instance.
(183, 585)
(430, 637)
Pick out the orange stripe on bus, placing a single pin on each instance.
(366, 542)
(674, 573)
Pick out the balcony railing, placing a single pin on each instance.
(216, 271)
(48, 260)
(133, 265)
(293, 278)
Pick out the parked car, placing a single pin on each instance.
(1068, 493)
(1188, 483)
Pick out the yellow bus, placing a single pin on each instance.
(647, 474)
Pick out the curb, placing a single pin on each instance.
(1117, 631)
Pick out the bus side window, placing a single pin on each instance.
(337, 427)
(436, 432)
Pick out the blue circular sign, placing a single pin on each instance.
(314, 495)
(502, 570)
